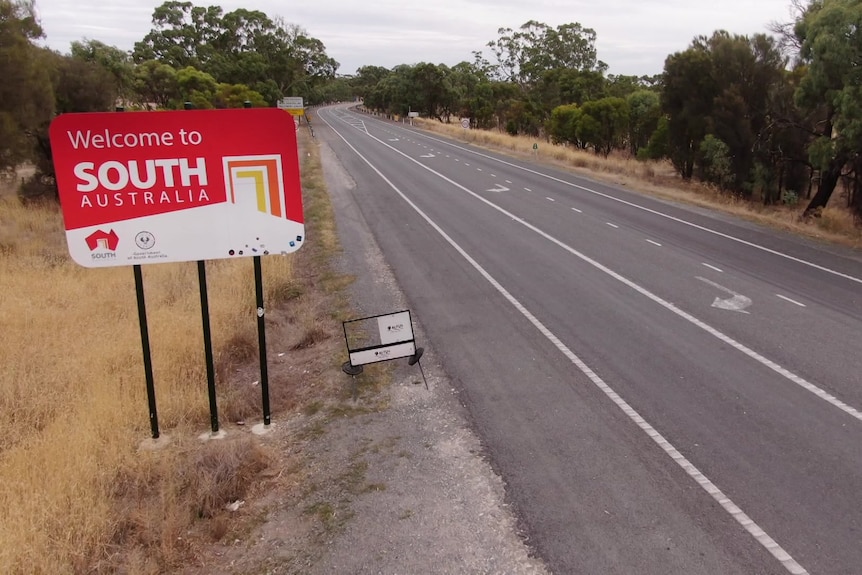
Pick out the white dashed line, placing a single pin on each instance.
(493, 175)
(613, 225)
(719, 270)
(550, 199)
(785, 298)
(508, 181)
(527, 190)
(478, 169)
(577, 210)
(654, 243)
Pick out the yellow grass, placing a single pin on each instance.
(658, 178)
(76, 495)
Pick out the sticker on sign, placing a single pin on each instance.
(155, 187)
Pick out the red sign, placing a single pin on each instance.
(150, 187)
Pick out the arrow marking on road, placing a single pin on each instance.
(498, 188)
(737, 302)
(427, 156)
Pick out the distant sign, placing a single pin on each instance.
(412, 114)
(379, 338)
(155, 187)
(465, 123)
(292, 104)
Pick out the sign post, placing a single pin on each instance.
(144, 187)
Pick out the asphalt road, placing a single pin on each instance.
(663, 389)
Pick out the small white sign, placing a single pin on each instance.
(291, 103)
(465, 123)
(383, 353)
(395, 328)
(412, 114)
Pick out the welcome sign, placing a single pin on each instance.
(154, 187)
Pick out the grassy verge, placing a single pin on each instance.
(658, 178)
(76, 493)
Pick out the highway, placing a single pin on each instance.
(663, 389)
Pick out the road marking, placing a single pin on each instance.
(784, 372)
(654, 243)
(658, 213)
(737, 302)
(466, 164)
(493, 175)
(508, 181)
(527, 190)
(612, 225)
(719, 270)
(478, 169)
(427, 156)
(577, 210)
(718, 496)
(498, 188)
(550, 199)
(793, 301)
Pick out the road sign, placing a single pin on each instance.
(465, 123)
(392, 338)
(412, 114)
(292, 104)
(155, 187)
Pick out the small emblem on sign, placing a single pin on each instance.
(145, 240)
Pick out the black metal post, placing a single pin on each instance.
(145, 342)
(208, 345)
(145, 346)
(261, 340)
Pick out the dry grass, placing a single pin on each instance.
(659, 179)
(75, 493)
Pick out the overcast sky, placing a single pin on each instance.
(634, 36)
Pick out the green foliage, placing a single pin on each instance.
(239, 47)
(26, 98)
(603, 124)
(721, 84)
(658, 146)
(644, 113)
(715, 162)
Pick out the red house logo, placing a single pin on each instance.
(104, 240)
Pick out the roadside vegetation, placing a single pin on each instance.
(77, 493)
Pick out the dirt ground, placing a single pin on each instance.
(377, 475)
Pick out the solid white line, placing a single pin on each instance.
(714, 268)
(654, 243)
(613, 225)
(801, 382)
(550, 199)
(577, 210)
(744, 520)
(785, 298)
(658, 213)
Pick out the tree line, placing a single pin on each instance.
(772, 118)
(193, 54)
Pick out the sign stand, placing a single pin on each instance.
(208, 349)
(145, 346)
(261, 342)
(207, 334)
(392, 339)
